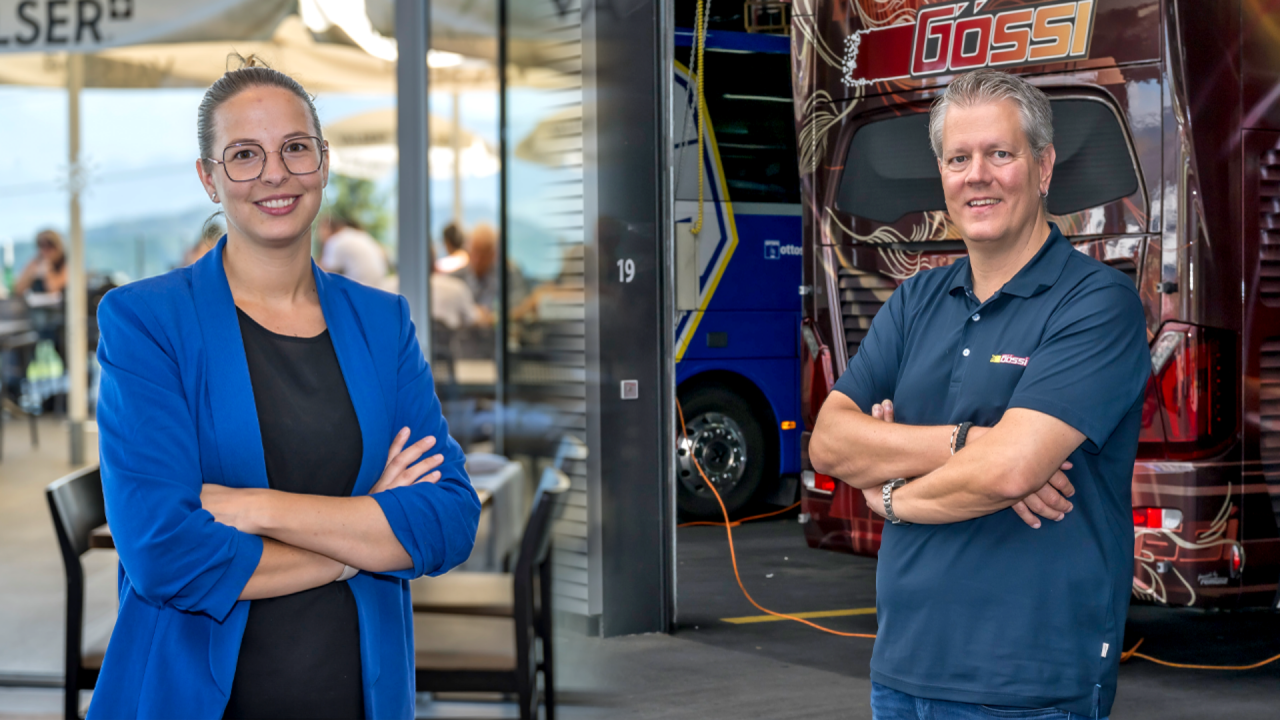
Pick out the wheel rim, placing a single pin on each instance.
(720, 446)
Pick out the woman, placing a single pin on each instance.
(266, 534)
(47, 271)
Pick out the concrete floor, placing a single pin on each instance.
(32, 595)
(759, 670)
(708, 668)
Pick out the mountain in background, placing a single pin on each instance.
(143, 247)
(137, 248)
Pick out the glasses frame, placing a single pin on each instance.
(324, 148)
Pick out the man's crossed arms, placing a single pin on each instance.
(1019, 463)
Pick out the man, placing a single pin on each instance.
(451, 302)
(481, 273)
(1028, 360)
(350, 251)
(455, 258)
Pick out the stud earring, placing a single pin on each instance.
(215, 197)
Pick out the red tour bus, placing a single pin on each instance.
(1167, 131)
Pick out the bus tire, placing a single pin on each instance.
(725, 434)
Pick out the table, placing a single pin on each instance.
(502, 519)
(13, 327)
(100, 537)
(14, 333)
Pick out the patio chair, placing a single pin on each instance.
(77, 506)
(481, 594)
(484, 650)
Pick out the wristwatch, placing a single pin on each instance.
(887, 494)
(962, 434)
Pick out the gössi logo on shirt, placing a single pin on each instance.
(774, 250)
(1007, 359)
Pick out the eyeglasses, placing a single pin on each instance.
(244, 162)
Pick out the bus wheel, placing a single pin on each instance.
(725, 438)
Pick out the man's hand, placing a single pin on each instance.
(874, 497)
(1050, 501)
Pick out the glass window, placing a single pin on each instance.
(890, 169)
(749, 102)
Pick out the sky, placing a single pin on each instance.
(140, 149)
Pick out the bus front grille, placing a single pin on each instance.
(1269, 228)
(1269, 413)
(862, 294)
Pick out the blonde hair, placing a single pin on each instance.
(251, 72)
(985, 86)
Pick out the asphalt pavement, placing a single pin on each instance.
(782, 573)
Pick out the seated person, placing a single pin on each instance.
(350, 251)
(47, 271)
(209, 236)
(456, 257)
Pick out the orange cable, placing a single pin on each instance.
(1133, 652)
(728, 528)
(736, 523)
(1129, 653)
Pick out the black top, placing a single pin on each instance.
(300, 657)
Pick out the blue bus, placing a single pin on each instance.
(737, 348)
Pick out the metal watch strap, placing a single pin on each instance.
(962, 433)
(887, 494)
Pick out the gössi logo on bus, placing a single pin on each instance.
(774, 250)
(961, 36)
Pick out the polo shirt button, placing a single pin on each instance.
(966, 352)
(977, 317)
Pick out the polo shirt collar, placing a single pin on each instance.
(1036, 276)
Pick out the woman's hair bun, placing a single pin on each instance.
(236, 61)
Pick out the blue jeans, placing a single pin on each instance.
(889, 704)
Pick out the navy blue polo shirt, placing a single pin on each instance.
(990, 610)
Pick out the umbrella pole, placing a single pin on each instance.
(76, 291)
(413, 35)
(456, 141)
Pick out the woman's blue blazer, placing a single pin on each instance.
(176, 410)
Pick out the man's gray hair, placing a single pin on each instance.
(984, 86)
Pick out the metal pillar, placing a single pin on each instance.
(626, 80)
(76, 293)
(501, 325)
(455, 142)
(413, 34)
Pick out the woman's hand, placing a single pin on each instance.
(401, 470)
(233, 506)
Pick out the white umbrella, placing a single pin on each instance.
(291, 49)
(556, 140)
(190, 63)
(364, 146)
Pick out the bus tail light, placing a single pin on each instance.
(816, 376)
(1157, 518)
(1189, 410)
(817, 482)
